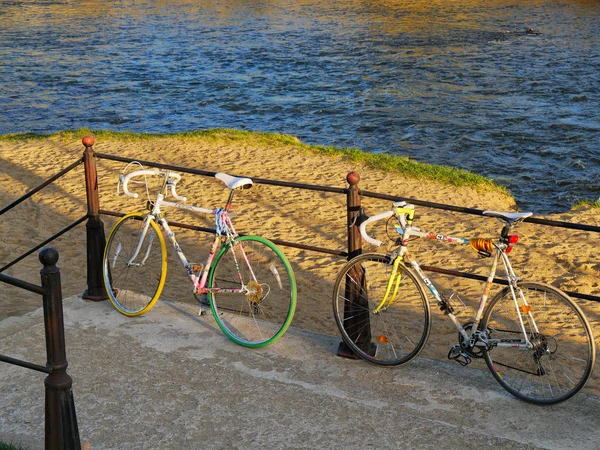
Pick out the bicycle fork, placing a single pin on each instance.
(139, 246)
(392, 284)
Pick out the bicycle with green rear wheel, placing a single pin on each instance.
(535, 340)
(248, 281)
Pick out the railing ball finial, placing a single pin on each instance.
(353, 178)
(88, 141)
(49, 256)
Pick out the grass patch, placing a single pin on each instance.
(413, 169)
(594, 204)
(380, 161)
(5, 446)
(211, 134)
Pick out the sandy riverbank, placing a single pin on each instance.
(566, 259)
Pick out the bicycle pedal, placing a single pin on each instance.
(455, 354)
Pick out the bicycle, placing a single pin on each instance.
(535, 340)
(249, 283)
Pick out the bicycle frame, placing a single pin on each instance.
(403, 255)
(382, 310)
(224, 227)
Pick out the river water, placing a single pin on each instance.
(458, 83)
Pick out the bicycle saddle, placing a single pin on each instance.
(508, 217)
(234, 182)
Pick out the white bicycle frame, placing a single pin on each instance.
(224, 226)
(402, 211)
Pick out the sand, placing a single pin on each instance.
(564, 258)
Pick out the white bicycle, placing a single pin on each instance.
(535, 340)
(249, 282)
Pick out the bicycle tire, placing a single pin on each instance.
(263, 314)
(397, 333)
(134, 289)
(563, 356)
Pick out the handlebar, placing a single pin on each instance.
(401, 209)
(363, 232)
(171, 180)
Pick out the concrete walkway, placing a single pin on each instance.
(171, 380)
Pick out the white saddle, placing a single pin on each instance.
(234, 182)
(510, 217)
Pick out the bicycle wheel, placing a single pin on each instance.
(134, 285)
(262, 311)
(563, 353)
(399, 330)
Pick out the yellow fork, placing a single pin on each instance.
(393, 280)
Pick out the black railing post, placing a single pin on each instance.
(96, 239)
(356, 307)
(61, 430)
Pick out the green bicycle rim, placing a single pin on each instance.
(292, 300)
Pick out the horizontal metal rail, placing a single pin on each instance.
(213, 230)
(472, 276)
(37, 247)
(311, 187)
(26, 364)
(479, 212)
(31, 288)
(37, 290)
(22, 284)
(41, 186)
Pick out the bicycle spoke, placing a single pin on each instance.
(563, 353)
(132, 286)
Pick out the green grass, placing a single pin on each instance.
(211, 134)
(5, 446)
(380, 161)
(413, 169)
(587, 203)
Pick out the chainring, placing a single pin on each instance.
(475, 351)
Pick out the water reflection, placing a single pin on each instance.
(455, 83)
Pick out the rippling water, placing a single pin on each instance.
(459, 83)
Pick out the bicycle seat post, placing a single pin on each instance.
(229, 200)
(506, 230)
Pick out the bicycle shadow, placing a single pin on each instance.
(286, 345)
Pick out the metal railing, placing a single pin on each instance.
(61, 432)
(479, 212)
(354, 198)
